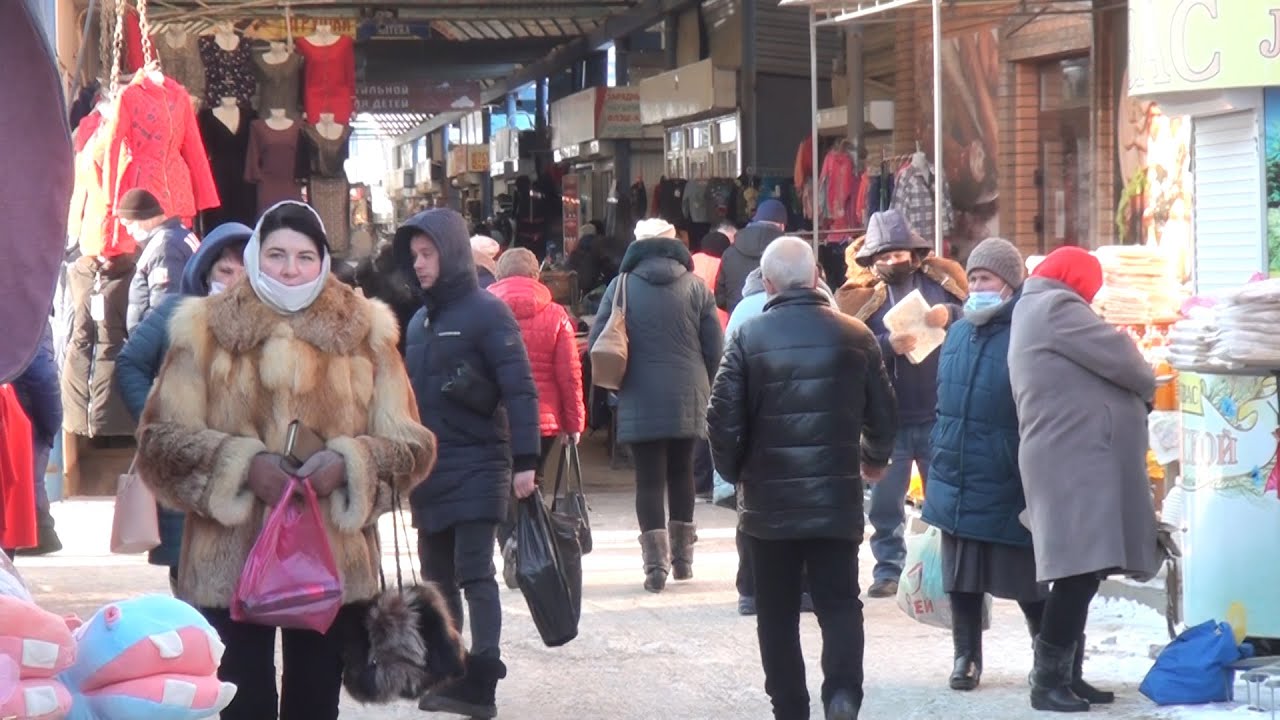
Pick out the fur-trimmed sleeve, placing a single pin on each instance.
(187, 465)
(398, 451)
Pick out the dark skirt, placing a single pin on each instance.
(1004, 571)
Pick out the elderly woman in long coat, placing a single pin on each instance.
(1082, 391)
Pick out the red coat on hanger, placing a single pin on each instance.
(17, 494)
(329, 79)
(154, 144)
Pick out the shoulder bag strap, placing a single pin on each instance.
(620, 297)
(560, 471)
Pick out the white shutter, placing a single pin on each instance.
(1229, 220)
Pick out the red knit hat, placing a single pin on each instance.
(1075, 267)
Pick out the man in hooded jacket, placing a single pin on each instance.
(474, 387)
(744, 254)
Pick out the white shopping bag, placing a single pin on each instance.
(920, 593)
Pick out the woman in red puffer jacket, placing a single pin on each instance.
(550, 338)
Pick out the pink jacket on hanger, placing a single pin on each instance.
(840, 188)
(155, 145)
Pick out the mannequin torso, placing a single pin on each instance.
(279, 120)
(175, 38)
(228, 113)
(329, 129)
(278, 54)
(226, 37)
(323, 36)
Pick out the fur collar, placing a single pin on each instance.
(864, 292)
(658, 247)
(339, 322)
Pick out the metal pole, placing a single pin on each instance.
(937, 126)
(813, 115)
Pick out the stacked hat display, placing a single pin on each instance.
(1138, 287)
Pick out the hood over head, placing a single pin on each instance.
(659, 260)
(525, 296)
(715, 243)
(888, 230)
(753, 239)
(448, 230)
(195, 278)
(1074, 267)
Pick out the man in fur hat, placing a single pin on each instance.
(888, 264)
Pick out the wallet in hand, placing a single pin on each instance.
(300, 443)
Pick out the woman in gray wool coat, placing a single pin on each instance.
(674, 343)
(1082, 391)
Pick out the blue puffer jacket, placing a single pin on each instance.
(139, 362)
(975, 489)
(462, 324)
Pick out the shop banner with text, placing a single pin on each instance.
(417, 96)
(1181, 45)
(1232, 505)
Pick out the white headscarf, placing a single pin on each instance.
(284, 299)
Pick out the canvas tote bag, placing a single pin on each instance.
(135, 527)
(609, 353)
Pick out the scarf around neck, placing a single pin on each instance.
(284, 299)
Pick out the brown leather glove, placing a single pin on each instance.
(326, 471)
(268, 477)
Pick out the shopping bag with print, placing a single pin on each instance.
(920, 592)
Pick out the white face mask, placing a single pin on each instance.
(216, 288)
(284, 299)
(139, 234)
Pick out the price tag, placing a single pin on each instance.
(97, 308)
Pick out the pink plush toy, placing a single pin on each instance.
(35, 646)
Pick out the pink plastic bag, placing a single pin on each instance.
(290, 579)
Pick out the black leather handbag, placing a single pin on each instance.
(471, 389)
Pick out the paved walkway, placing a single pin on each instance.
(681, 655)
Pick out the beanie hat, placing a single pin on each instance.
(654, 228)
(999, 257)
(773, 211)
(1075, 267)
(138, 204)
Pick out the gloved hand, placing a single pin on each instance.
(326, 471)
(268, 477)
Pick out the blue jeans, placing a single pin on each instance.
(887, 513)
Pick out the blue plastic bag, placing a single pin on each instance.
(1195, 668)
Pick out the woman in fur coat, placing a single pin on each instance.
(287, 343)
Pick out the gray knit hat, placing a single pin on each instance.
(1000, 257)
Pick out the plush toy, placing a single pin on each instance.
(35, 646)
(150, 657)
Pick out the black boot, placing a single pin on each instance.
(655, 548)
(1051, 680)
(473, 696)
(966, 632)
(1084, 689)
(842, 706)
(683, 535)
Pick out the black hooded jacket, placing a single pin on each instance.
(460, 324)
(740, 259)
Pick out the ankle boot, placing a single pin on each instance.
(1051, 680)
(655, 548)
(966, 632)
(1083, 689)
(683, 536)
(474, 695)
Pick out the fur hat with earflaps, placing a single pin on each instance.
(403, 646)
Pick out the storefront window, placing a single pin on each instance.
(1066, 156)
(701, 136)
(727, 131)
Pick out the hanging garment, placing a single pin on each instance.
(279, 84)
(91, 404)
(328, 189)
(17, 494)
(639, 207)
(669, 199)
(276, 162)
(860, 198)
(227, 151)
(694, 206)
(913, 197)
(804, 163)
(88, 214)
(329, 84)
(722, 198)
(227, 73)
(838, 187)
(618, 216)
(182, 63)
(155, 145)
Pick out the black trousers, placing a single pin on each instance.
(664, 476)
(460, 560)
(969, 605)
(1066, 612)
(312, 677)
(833, 580)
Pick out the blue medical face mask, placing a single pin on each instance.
(983, 300)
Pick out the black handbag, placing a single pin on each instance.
(546, 558)
(471, 389)
(572, 506)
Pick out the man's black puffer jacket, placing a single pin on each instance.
(801, 400)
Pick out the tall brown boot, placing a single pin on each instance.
(655, 548)
(683, 536)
